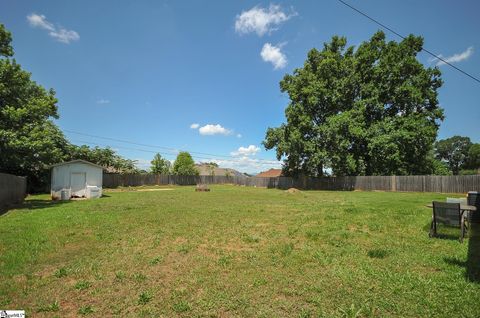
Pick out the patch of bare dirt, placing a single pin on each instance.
(293, 190)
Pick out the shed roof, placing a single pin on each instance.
(77, 161)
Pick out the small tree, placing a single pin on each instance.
(160, 165)
(184, 165)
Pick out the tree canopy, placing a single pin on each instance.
(184, 165)
(459, 154)
(454, 151)
(160, 165)
(366, 111)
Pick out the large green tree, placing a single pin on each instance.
(454, 152)
(160, 165)
(184, 165)
(366, 111)
(29, 140)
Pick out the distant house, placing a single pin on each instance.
(206, 169)
(272, 173)
(76, 179)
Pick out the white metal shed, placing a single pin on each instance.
(76, 179)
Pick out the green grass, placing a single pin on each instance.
(234, 251)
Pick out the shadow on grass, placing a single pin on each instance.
(41, 204)
(472, 264)
(444, 232)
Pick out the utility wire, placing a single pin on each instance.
(401, 36)
(174, 150)
(257, 161)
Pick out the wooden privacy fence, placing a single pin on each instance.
(444, 184)
(13, 189)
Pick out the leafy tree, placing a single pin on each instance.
(160, 165)
(474, 157)
(184, 165)
(29, 140)
(454, 151)
(369, 111)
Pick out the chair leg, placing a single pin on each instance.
(433, 231)
(462, 230)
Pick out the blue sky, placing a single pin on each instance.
(148, 71)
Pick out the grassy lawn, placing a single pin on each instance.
(234, 251)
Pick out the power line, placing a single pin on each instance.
(401, 36)
(174, 150)
(255, 161)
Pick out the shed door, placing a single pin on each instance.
(78, 181)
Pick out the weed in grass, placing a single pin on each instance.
(119, 276)
(378, 253)
(83, 284)
(144, 298)
(181, 306)
(305, 313)
(351, 312)
(49, 308)
(225, 260)
(139, 277)
(251, 239)
(259, 282)
(184, 248)
(313, 235)
(61, 272)
(155, 261)
(85, 310)
(286, 249)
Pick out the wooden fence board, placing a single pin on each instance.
(445, 184)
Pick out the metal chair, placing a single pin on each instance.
(448, 214)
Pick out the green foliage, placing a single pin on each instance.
(369, 111)
(473, 161)
(454, 151)
(83, 284)
(105, 157)
(160, 165)
(53, 307)
(85, 310)
(6, 48)
(144, 298)
(468, 172)
(184, 165)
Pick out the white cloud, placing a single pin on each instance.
(194, 126)
(214, 130)
(239, 135)
(246, 151)
(103, 101)
(261, 20)
(458, 57)
(64, 35)
(58, 33)
(40, 21)
(273, 54)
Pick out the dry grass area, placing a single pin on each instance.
(233, 252)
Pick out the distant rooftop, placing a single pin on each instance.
(272, 173)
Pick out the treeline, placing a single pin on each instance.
(459, 155)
